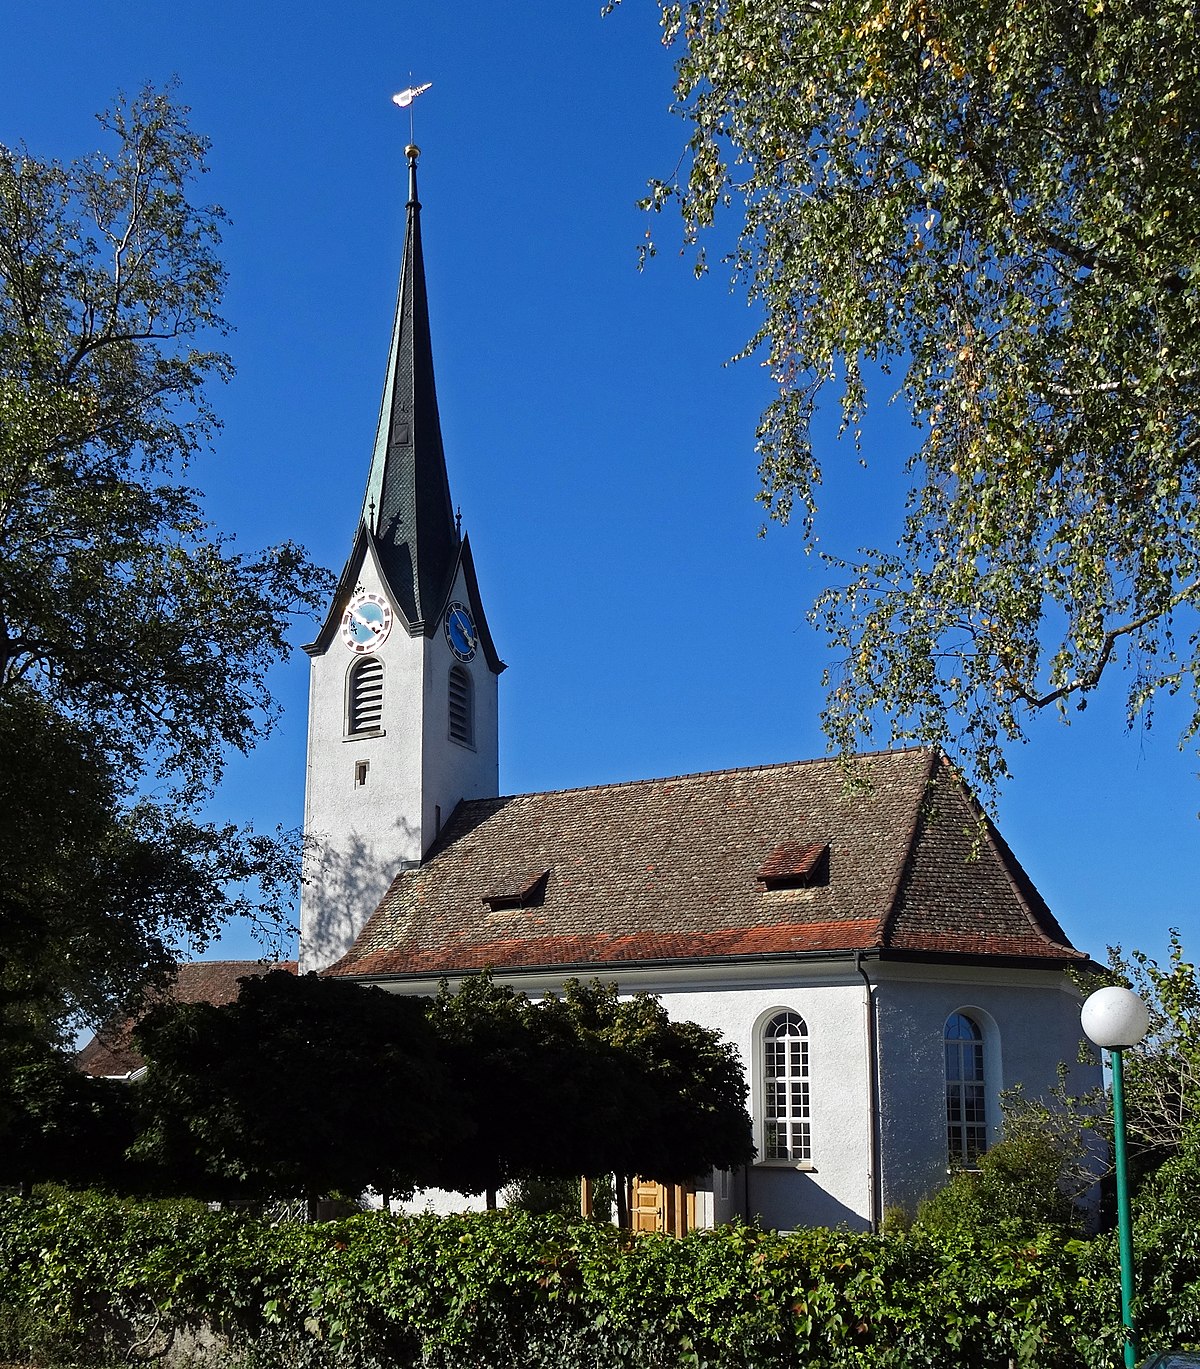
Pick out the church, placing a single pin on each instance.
(865, 937)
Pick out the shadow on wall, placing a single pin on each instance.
(912, 1094)
(796, 1199)
(342, 888)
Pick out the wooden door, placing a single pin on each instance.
(647, 1203)
(669, 1208)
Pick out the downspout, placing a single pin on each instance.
(873, 1174)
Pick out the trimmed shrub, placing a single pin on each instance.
(92, 1280)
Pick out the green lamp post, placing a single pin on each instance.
(1116, 1018)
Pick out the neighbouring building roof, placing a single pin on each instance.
(731, 864)
(111, 1051)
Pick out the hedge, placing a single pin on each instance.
(92, 1280)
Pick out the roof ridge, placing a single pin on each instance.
(240, 960)
(702, 774)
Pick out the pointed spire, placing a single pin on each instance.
(407, 504)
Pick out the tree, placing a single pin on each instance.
(676, 1106)
(302, 1086)
(1162, 1092)
(95, 891)
(59, 1126)
(516, 1083)
(997, 204)
(584, 1084)
(1161, 1073)
(134, 640)
(1016, 1191)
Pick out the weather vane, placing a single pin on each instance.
(404, 98)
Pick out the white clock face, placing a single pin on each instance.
(366, 622)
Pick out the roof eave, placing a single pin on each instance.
(1068, 959)
(578, 967)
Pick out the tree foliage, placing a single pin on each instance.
(587, 1083)
(1016, 1191)
(310, 1085)
(511, 1091)
(301, 1086)
(96, 892)
(671, 1095)
(996, 204)
(134, 640)
(1161, 1074)
(56, 1124)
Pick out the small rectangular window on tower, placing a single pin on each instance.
(360, 773)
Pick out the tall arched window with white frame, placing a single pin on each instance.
(787, 1106)
(966, 1097)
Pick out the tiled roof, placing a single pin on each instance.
(112, 1052)
(668, 870)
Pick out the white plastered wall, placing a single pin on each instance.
(1030, 1023)
(451, 771)
(359, 834)
(737, 1000)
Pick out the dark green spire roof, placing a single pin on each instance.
(407, 504)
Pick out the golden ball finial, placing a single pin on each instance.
(412, 152)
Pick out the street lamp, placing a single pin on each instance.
(1116, 1018)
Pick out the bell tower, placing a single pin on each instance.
(402, 693)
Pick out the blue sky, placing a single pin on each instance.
(601, 450)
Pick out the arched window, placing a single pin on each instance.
(462, 707)
(966, 1105)
(786, 1109)
(365, 710)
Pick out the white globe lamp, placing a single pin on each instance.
(1116, 1019)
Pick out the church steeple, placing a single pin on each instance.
(403, 707)
(407, 504)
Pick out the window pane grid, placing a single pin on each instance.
(966, 1106)
(786, 1101)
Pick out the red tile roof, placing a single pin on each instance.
(669, 870)
(112, 1052)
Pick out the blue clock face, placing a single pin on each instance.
(460, 631)
(366, 622)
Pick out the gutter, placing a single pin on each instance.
(613, 966)
(874, 1177)
(970, 958)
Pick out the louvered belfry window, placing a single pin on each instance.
(366, 696)
(785, 1089)
(462, 711)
